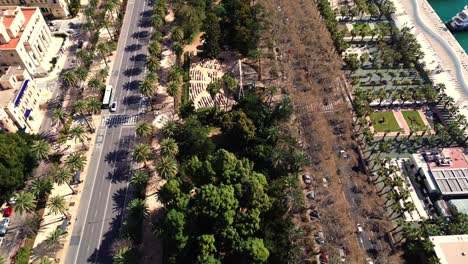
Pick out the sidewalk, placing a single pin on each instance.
(51, 221)
(438, 44)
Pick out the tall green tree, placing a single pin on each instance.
(25, 202)
(63, 176)
(212, 35)
(41, 149)
(141, 153)
(169, 148)
(166, 167)
(58, 205)
(76, 161)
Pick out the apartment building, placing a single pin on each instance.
(55, 8)
(24, 38)
(19, 100)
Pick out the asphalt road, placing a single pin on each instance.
(105, 194)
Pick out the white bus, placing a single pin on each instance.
(107, 96)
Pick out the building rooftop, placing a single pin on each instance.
(457, 160)
(7, 95)
(28, 12)
(451, 249)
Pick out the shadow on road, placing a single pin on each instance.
(133, 71)
(141, 34)
(131, 86)
(133, 47)
(116, 156)
(145, 23)
(139, 57)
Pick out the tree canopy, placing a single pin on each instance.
(16, 162)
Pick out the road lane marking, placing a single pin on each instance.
(89, 202)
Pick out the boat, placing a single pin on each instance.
(459, 22)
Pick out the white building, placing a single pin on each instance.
(19, 100)
(24, 38)
(55, 8)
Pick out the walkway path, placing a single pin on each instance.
(441, 46)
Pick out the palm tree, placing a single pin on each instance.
(70, 78)
(139, 180)
(169, 128)
(108, 7)
(40, 149)
(78, 133)
(81, 73)
(144, 129)
(166, 167)
(58, 205)
(142, 153)
(213, 89)
(25, 202)
(177, 34)
(102, 74)
(76, 161)
(123, 256)
(93, 105)
(137, 210)
(41, 187)
(148, 87)
(154, 49)
(63, 176)
(103, 49)
(169, 148)
(59, 115)
(81, 106)
(173, 91)
(95, 84)
(54, 238)
(44, 260)
(153, 64)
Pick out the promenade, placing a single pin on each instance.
(444, 56)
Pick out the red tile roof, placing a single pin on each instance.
(28, 13)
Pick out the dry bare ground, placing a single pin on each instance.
(297, 53)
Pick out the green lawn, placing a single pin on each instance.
(389, 122)
(413, 119)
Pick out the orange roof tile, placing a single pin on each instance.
(28, 13)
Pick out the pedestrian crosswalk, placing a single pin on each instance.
(119, 120)
(317, 107)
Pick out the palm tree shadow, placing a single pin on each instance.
(105, 253)
(131, 86)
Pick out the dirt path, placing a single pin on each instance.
(308, 66)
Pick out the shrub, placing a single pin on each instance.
(22, 257)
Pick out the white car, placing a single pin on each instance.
(307, 179)
(359, 229)
(113, 107)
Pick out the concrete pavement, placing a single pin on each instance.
(105, 193)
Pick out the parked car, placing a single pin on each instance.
(113, 107)
(314, 214)
(319, 238)
(342, 255)
(4, 225)
(311, 195)
(359, 229)
(12, 201)
(324, 258)
(8, 211)
(307, 179)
